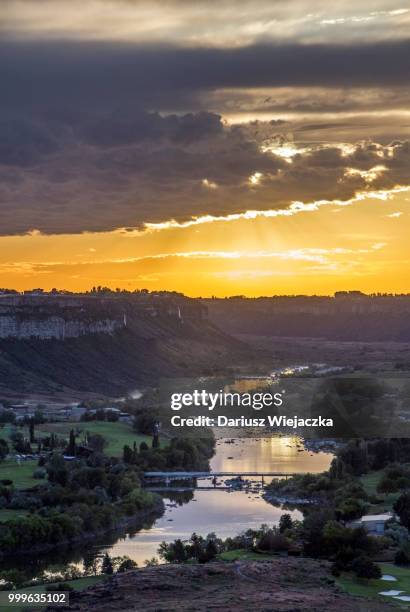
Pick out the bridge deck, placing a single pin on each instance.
(212, 474)
(169, 489)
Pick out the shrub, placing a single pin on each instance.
(285, 522)
(402, 556)
(397, 533)
(402, 509)
(350, 509)
(40, 473)
(107, 567)
(127, 564)
(364, 567)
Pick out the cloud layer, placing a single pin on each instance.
(123, 125)
(112, 171)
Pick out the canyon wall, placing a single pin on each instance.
(347, 316)
(57, 344)
(48, 316)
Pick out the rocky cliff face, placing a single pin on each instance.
(12, 326)
(48, 316)
(109, 345)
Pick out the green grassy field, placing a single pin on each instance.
(7, 514)
(117, 434)
(370, 482)
(6, 430)
(21, 474)
(80, 584)
(372, 588)
(242, 554)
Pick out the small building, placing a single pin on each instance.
(373, 523)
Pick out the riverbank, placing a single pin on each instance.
(200, 511)
(227, 512)
(152, 512)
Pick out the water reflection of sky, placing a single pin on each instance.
(282, 454)
(226, 513)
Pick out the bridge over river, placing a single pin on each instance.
(168, 476)
(182, 475)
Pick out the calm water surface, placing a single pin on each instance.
(226, 513)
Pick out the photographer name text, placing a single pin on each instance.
(270, 421)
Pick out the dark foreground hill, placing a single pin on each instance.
(282, 585)
(108, 346)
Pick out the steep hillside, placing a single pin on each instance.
(148, 339)
(346, 317)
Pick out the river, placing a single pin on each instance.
(205, 509)
(226, 513)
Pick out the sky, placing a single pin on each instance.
(213, 148)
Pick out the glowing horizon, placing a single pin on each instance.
(217, 152)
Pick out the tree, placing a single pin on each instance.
(126, 565)
(20, 444)
(175, 552)
(155, 441)
(7, 416)
(127, 454)
(285, 522)
(4, 449)
(144, 421)
(71, 448)
(350, 509)
(106, 566)
(402, 509)
(387, 485)
(313, 527)
(88, 477)
(38, 416)
(97, 442)
(402, 556)
(57, 470)
(273, 542)
(153, 562)
(364, 567)
(143, 447)
(53, 441)
(211, 550)
(196, 548)
(88, 563)
(31, 430)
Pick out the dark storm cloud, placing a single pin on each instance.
(106, 75)
(120, 175)
(79, 151)
(24, 141)
(127, 128)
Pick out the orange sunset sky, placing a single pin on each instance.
(204, 147)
